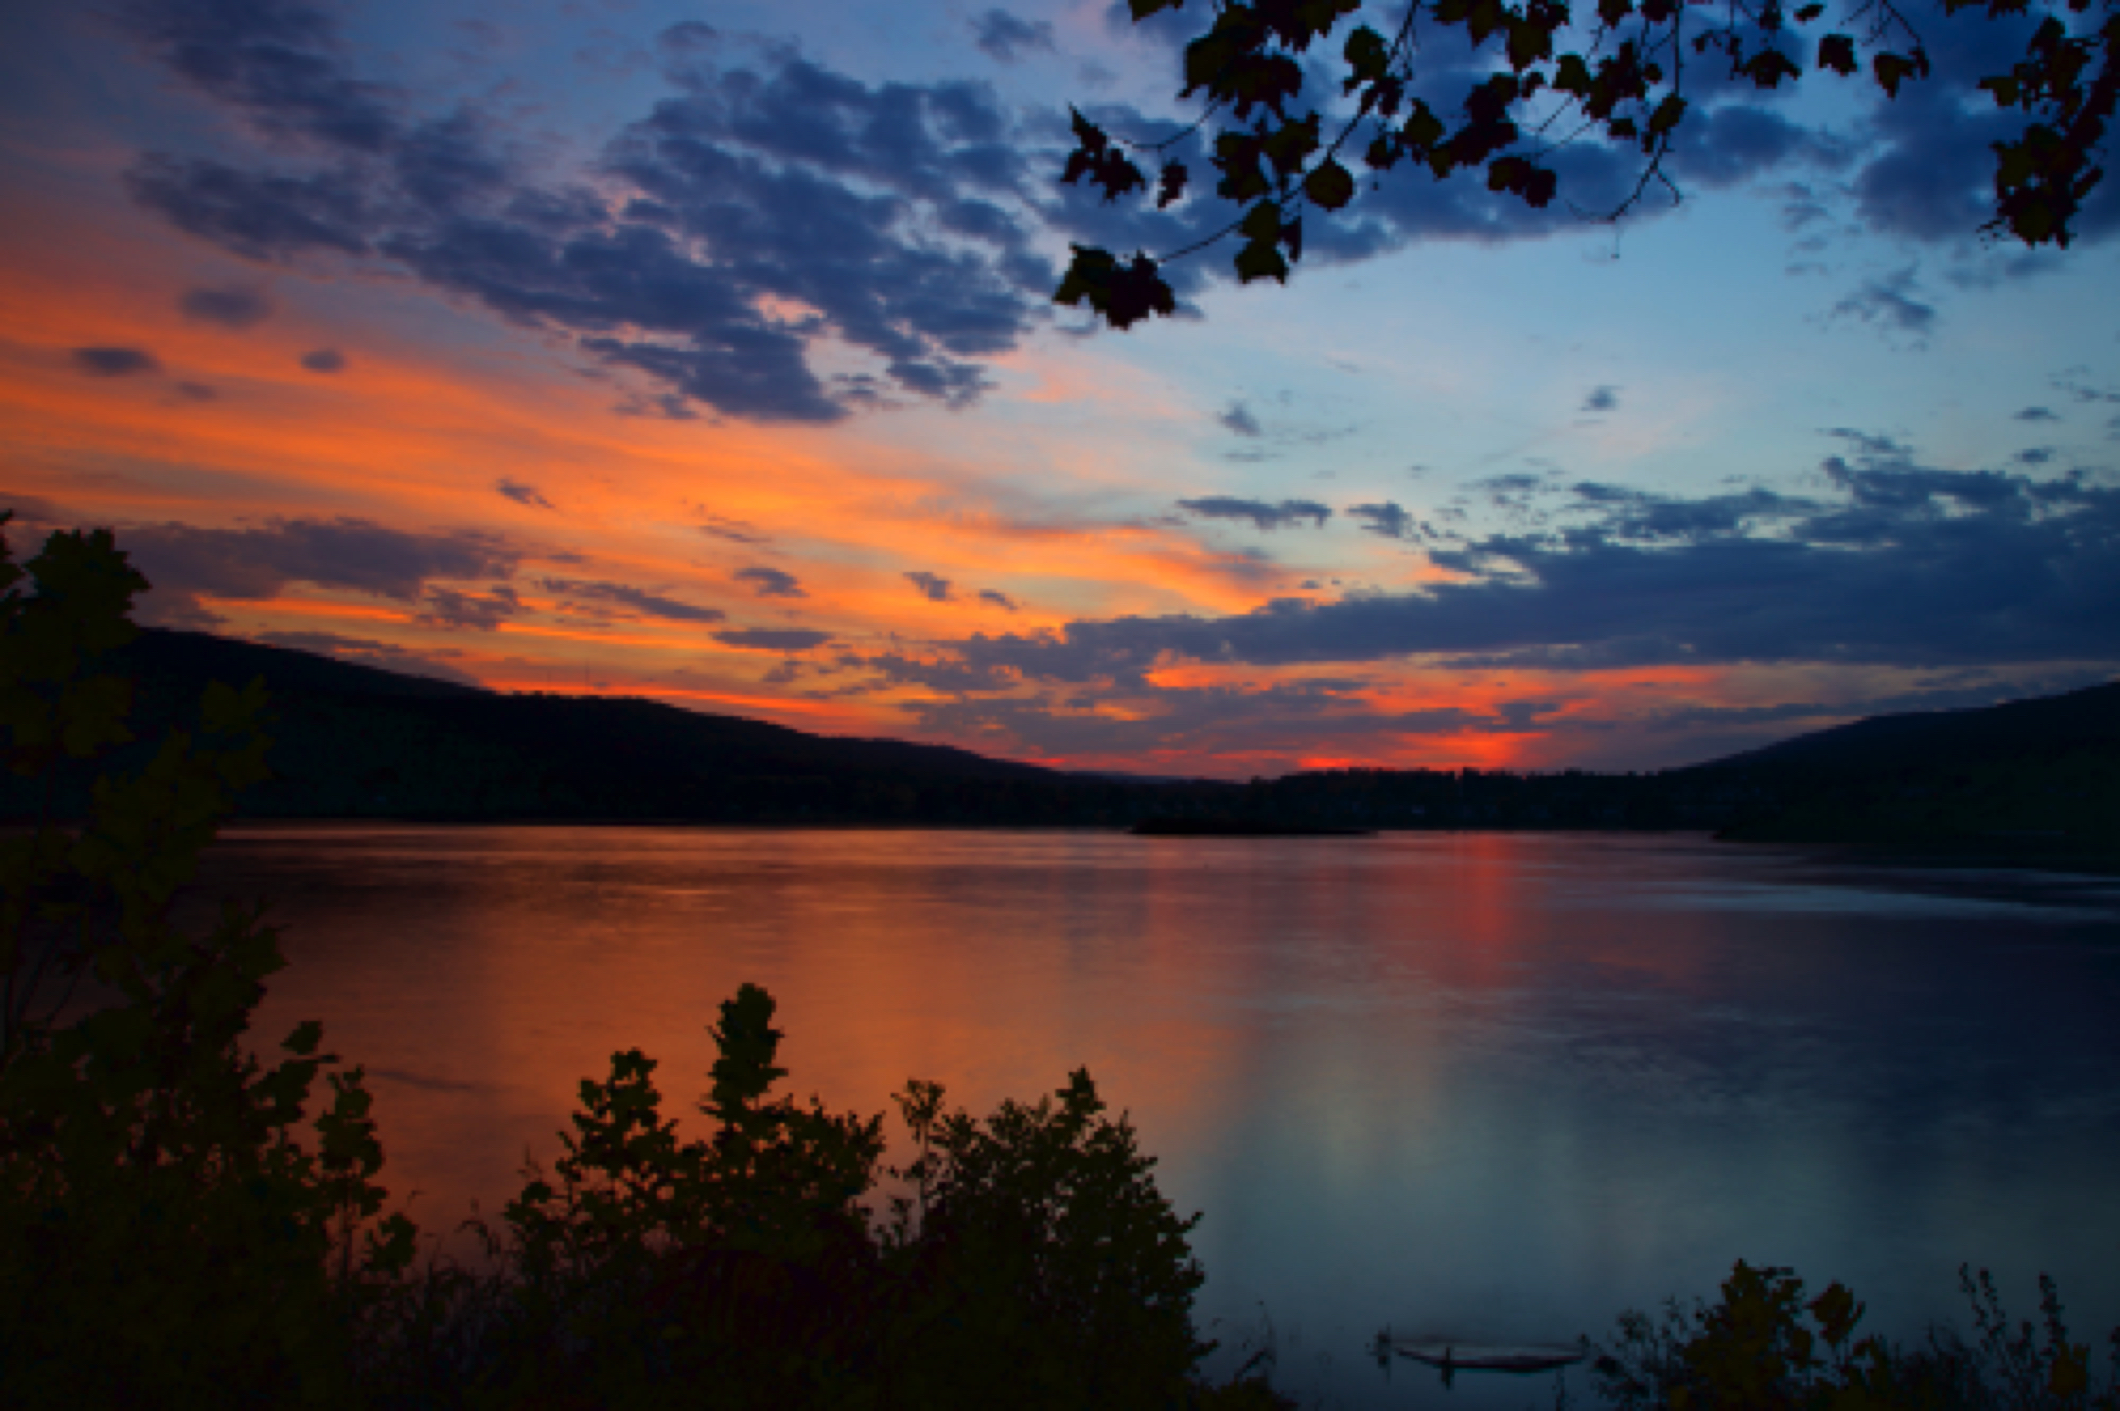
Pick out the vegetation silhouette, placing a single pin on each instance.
(1280, 161)
(182, 1225)
(1763, 1347)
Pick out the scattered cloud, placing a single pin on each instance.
(529, 496)
(1387, 519)
(934, 589)
(1890, 303)
(235, 308)
(939, 674)
(769, 208)
(2084, 392)
(324, 360)
(1240, 420)
(1603, 398)
(997, 599)
(116, 362)
(185, 563)
(769, 582)
(1952, 567)
(1236, 720)
(735, 531)
(448, 607)
(1005, 39)
(770, 214)
(29, 512)
(1264, 515)
(637, 600)
(773, 639)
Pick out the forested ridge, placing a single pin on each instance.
(2037, 777)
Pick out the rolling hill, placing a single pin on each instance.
(2032, 778)
(2085, 719)
(2029, 777)
(354, 741)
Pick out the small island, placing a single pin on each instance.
(1239, 828)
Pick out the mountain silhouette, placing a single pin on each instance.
(2027, 779)
(350, 740)
(2086, 719)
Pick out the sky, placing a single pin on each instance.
(707, 353)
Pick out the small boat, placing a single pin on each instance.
(1474, 1357)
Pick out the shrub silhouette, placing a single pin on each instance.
(1040, 1264)
(166, 1236)
(1753, 1349)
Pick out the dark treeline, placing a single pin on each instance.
(2037, 778)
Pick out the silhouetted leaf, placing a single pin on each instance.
(1261, 259)
(1170, 184)
(1367, 57)
(1891, 70)
(1769, 67)
(1329, 185)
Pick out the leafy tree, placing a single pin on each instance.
(172, 1232)
(1619, 75)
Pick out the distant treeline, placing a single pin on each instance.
(2033, 777)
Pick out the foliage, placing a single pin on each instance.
(1044, 1241)
(1040, 1266)
(1625, 83)
(1754, 1350)
(166, 1237)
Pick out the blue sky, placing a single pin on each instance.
(707, 353)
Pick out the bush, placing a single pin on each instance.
(1040, 1267)
(167, 1236)
(1754, 1350)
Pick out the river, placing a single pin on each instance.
(1468, 1087)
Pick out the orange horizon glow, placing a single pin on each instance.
(429, 417)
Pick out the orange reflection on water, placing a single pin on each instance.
(536, 953)
(1412, 1079)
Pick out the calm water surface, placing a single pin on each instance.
(1476, 1087)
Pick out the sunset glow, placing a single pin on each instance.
(707, 355)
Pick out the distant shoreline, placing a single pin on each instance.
(1244, 828)
(1860, 854)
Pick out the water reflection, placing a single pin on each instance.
(1486, 1088)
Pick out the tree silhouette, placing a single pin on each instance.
(1625, 83)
